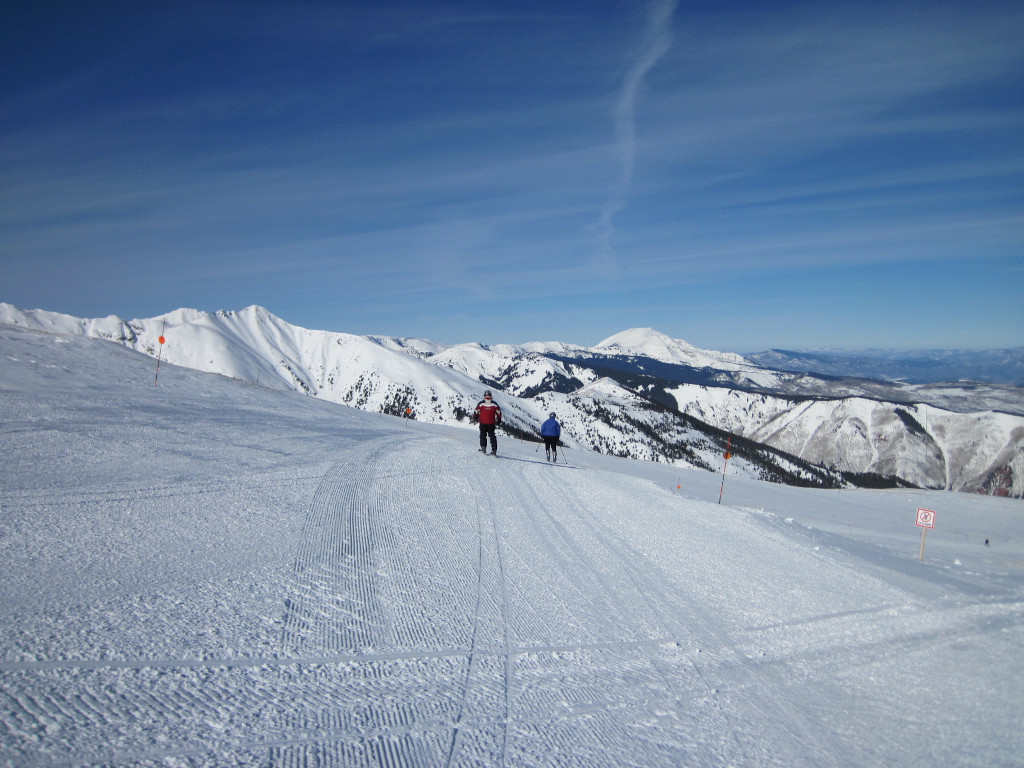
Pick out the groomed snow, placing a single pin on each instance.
(206, 572)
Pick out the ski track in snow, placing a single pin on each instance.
(413, 634)
(342, 591)
(343, 644)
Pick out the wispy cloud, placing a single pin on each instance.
(656, 43)
(357, 168)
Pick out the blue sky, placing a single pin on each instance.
(739, 175)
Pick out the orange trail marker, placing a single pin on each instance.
(728, 455)
(160, 351)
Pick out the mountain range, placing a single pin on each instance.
(638, 394)
(924, 366)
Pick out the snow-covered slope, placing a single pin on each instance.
(516, 370)
(796, 425)
(371, 373)
(395, 377)
(929, 447)
(209, 573)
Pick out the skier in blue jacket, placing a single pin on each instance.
(551, 430)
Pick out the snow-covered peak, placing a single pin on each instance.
(422, 348)
(474, 357)
(111, 328)
(607, 389)
(647, 342)
(554, 348)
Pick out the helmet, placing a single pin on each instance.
(552, 414)
(487, 393)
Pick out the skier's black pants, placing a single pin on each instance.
(551, 444)
(485, 430)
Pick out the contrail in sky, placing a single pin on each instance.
(656, 42)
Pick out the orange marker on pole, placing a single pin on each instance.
(160, 351)
(728, 455)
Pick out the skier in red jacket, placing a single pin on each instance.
(488, 414)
